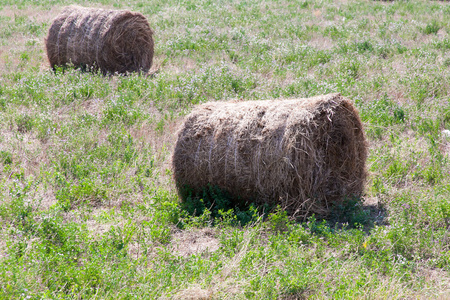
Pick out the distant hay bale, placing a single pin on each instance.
(110, 40)
(303, 154)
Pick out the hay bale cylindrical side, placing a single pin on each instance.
(109, 40)
(303, 154)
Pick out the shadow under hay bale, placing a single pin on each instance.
(98, 39)
(303, 154)
(216, 202)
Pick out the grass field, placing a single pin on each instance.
(88, 206)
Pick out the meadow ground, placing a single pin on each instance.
(88, 207)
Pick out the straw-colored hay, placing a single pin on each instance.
(110, 40)
(304, 154)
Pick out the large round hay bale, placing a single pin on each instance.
(304, 154)
(110, 40)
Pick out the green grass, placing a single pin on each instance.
(88, 206)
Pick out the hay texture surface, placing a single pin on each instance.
(303, 154)
(110, 40)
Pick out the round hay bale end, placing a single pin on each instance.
(303, 154)
(97, 39)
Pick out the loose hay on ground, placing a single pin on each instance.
(110, 40)
(304, 154)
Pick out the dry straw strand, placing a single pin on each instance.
(304, 154)
(98, 39)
